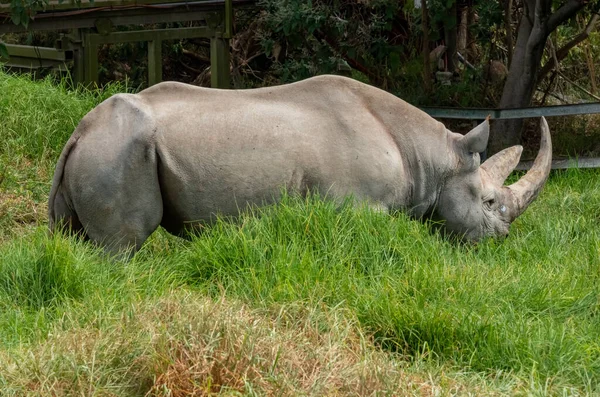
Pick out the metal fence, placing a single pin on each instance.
(478, 115)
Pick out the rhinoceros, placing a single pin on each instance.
(176, 155)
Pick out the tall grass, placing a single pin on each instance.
(37, 119)
(321, 283)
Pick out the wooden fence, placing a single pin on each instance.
(92, 24)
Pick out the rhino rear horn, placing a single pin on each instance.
(500, 165)
(529, 186)
(475, 141)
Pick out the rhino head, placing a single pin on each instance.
(473, 202)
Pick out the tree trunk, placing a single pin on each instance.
(426, 62)
(535, 26)
(463, 31)
(521, 80)
(508, 27)
(472, 48)
(450, 33)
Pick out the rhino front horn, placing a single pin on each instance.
(529, 186)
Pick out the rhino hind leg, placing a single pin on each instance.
(122, 214)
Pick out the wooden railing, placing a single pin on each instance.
(92, 24)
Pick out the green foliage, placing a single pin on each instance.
(41, 130)
(378, 39)
(525, 306)
(312, 37)
(23, 11)
(490, 15)
(37, 279)
(3, 51)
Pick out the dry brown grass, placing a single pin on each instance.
(187, 345)
(23, 197)
(22, 209)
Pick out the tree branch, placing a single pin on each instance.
(195, 55)
(564, 50)
(354, 63)
(574, 84)
(565, 12)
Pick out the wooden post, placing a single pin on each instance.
(78, 66)
(90, 55)
(219, 62)
(154, 62)
(78, 59)
(228, 19)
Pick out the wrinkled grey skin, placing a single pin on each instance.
(175, 155)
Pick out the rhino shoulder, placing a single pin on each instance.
(167, 87)
(120, 117)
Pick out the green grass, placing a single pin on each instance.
(378, 304)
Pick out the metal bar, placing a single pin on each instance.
(219, 63)
(154, 62)
(480, 114)
(118, 18)
(33, 64)
(56, 5)
(45, 53)
(563, 164)
(151, 35)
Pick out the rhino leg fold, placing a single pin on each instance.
(64, 218)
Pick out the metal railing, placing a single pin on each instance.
(480, 114)
(520, 113)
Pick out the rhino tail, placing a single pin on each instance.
(60, 209)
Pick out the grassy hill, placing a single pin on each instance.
(297, 299)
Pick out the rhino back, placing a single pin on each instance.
(220, 149)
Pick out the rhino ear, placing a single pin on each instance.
(475, 141)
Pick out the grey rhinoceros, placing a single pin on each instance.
(175, 155)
